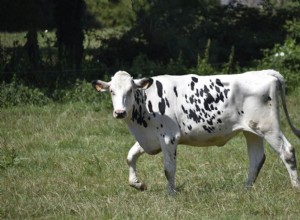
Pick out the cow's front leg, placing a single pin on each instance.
(169, 158)
(135, 151)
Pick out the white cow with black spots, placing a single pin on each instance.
(164, 111)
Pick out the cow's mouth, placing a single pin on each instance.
(119, 114)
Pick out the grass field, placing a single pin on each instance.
(68, 161)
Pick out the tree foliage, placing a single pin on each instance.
(19, 15)
(156, 37)
(165, 30)
(69, 32)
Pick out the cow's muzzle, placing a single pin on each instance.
(120, 114)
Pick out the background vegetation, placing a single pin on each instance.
(59, 157)
(49, 44)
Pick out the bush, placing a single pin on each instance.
(82, 92)
(285, 58)
(15, 93)
(142, 66)
(8, 157)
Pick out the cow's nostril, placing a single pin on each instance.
(120, 113)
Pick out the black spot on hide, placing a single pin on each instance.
(195, 79)
(138, 115)
(218, 82)
(206, 90)
(197, 93)
(203, 104)
(163, 102)
(192, 99)
(226, 92)
(206, 128)
(183, 109)
(192, 86)
(159, 88)
(208, 101)
(167, 102)
(150, 106)
(175, 91)
(162, 106)
(292, 160)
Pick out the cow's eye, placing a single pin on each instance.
(112, 92)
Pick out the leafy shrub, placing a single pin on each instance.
(293, 29)
(203, 66)
(15, 93)
(285, 58)
(142, 66)
(8, 157)
(175, 67)
(83, 92)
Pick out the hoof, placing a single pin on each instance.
(172, 192)
(248, 187)
(139, 186)
(296, 184)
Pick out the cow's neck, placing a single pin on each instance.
(139, 114)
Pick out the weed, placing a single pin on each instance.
(16, 93)
(8, 157)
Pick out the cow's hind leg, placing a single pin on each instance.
(133, 154)
(256, 156)
(287, 154)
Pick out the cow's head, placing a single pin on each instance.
(122, 89)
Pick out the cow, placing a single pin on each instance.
(164, 111)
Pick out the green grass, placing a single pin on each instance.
(68, 161)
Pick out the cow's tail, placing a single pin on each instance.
(281, 83)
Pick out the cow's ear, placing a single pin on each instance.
(100, 86)
(143, 83)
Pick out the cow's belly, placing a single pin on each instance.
(203, 139)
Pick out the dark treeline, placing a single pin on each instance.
(162, 32)
(169, 29)
(63, 16)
